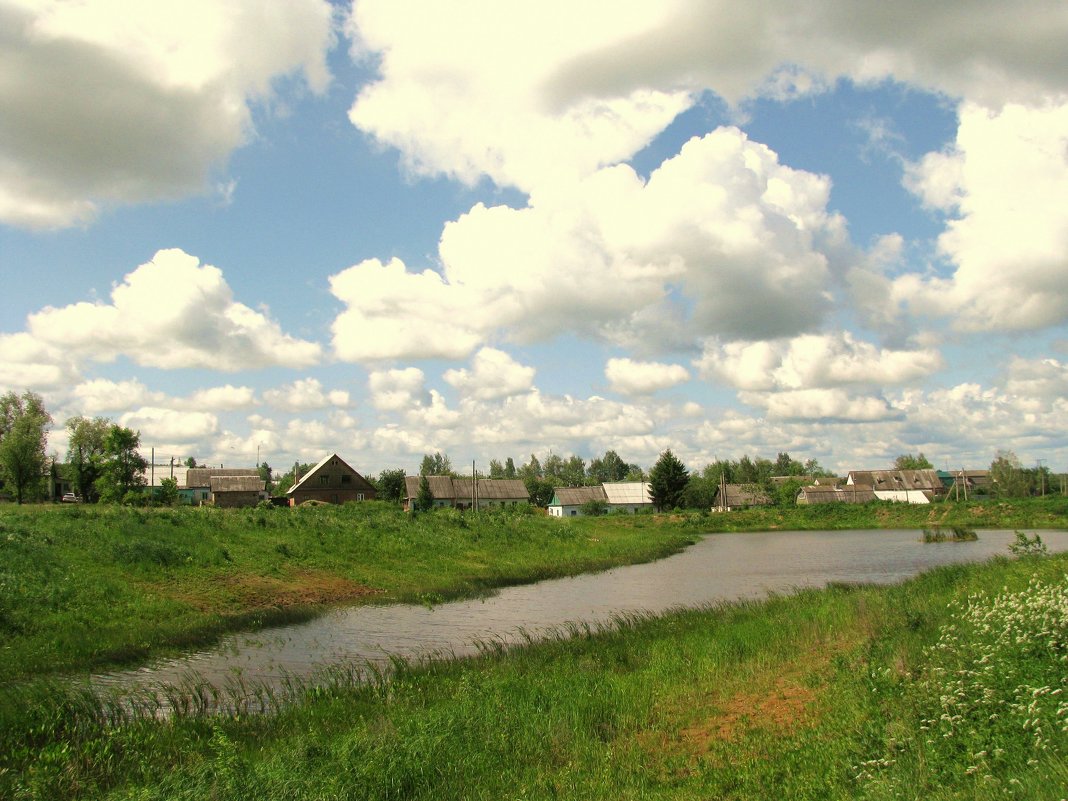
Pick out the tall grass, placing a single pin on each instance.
(849, 692)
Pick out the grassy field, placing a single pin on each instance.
(950, 686)
(83, 587)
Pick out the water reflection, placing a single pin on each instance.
(721, 567)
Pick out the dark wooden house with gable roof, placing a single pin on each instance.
(331, 481)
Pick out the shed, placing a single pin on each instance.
(628, 496)
(230, 492)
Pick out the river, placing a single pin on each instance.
(720, 567)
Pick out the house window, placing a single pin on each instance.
(203, 496)
(359, 496)
(574, 512)
(346, 479)
(324, 481)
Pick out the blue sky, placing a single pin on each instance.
(491, 230)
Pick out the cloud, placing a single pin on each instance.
(305, 394)
(813, 361)
(493, 374)
(822, 404)
(1006, 182)
(463, 89)
(172, 312)
(395, 390)
(28, 363)
(225, 398)
(721, 239)
(160, 425)
(629, 377)
(103, 395)
(112, 102)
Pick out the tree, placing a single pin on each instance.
(168, 492)
(265, 473)
(540, 490)
(594, 508)
(496, 469)
(531, 469)
(190, 462)
(436, 465)
(1008, 479)
(907, 461)
(85, 452)
(667, 481)
(23, 437)
(424, 499)
(123, 469)
(390, 485)
(609, 467)
(509, 468)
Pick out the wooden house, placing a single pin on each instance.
(231, 492)
(464, 493)
(331, 481)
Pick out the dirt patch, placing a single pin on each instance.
(249, 593)
(782, 710)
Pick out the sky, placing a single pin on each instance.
(495, 229)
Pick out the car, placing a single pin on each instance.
(70, 497)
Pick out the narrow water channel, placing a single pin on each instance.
(720, 567)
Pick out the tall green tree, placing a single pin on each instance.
(265, 473)
(85, 452)
(436, 465)
(24, 426)
(424, 499)
(907, 461)
(123, 469)
(509, 468)
(609, 467)
(496, 469)
(1008, 478)
(667, 481)
(390, 485)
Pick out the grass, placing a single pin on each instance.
(89, 586)
(949, 686)
(956, 534)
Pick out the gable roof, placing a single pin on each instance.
(322, 463)
(628, 492)
(237, 484)
(888, 480)
(201, 476)
(743, 495)
(852, 493)
(576, 496)
(449, 488)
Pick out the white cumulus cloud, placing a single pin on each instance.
(172, 312)
(304, 394)
(493, 374)
(107, 101)
(631, 377)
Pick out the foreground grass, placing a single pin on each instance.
(949, 686)
(83, 587)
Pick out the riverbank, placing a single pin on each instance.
(84, 587)
(95, 586)
(948, 686)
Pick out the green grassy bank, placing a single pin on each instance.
(82, 587)
(950, 686)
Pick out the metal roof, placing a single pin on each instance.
(237, 484)
(628, 492)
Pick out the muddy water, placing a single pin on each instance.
(721, 567)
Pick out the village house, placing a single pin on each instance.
(628, 496)
(464, 493)
(729, 497)
(331, 481)
(232, 492)
(824, 493)
(196, 488)
(568, 501)
(909, 486)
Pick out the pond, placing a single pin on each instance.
(720, 567)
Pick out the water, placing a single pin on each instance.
(721, 567)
